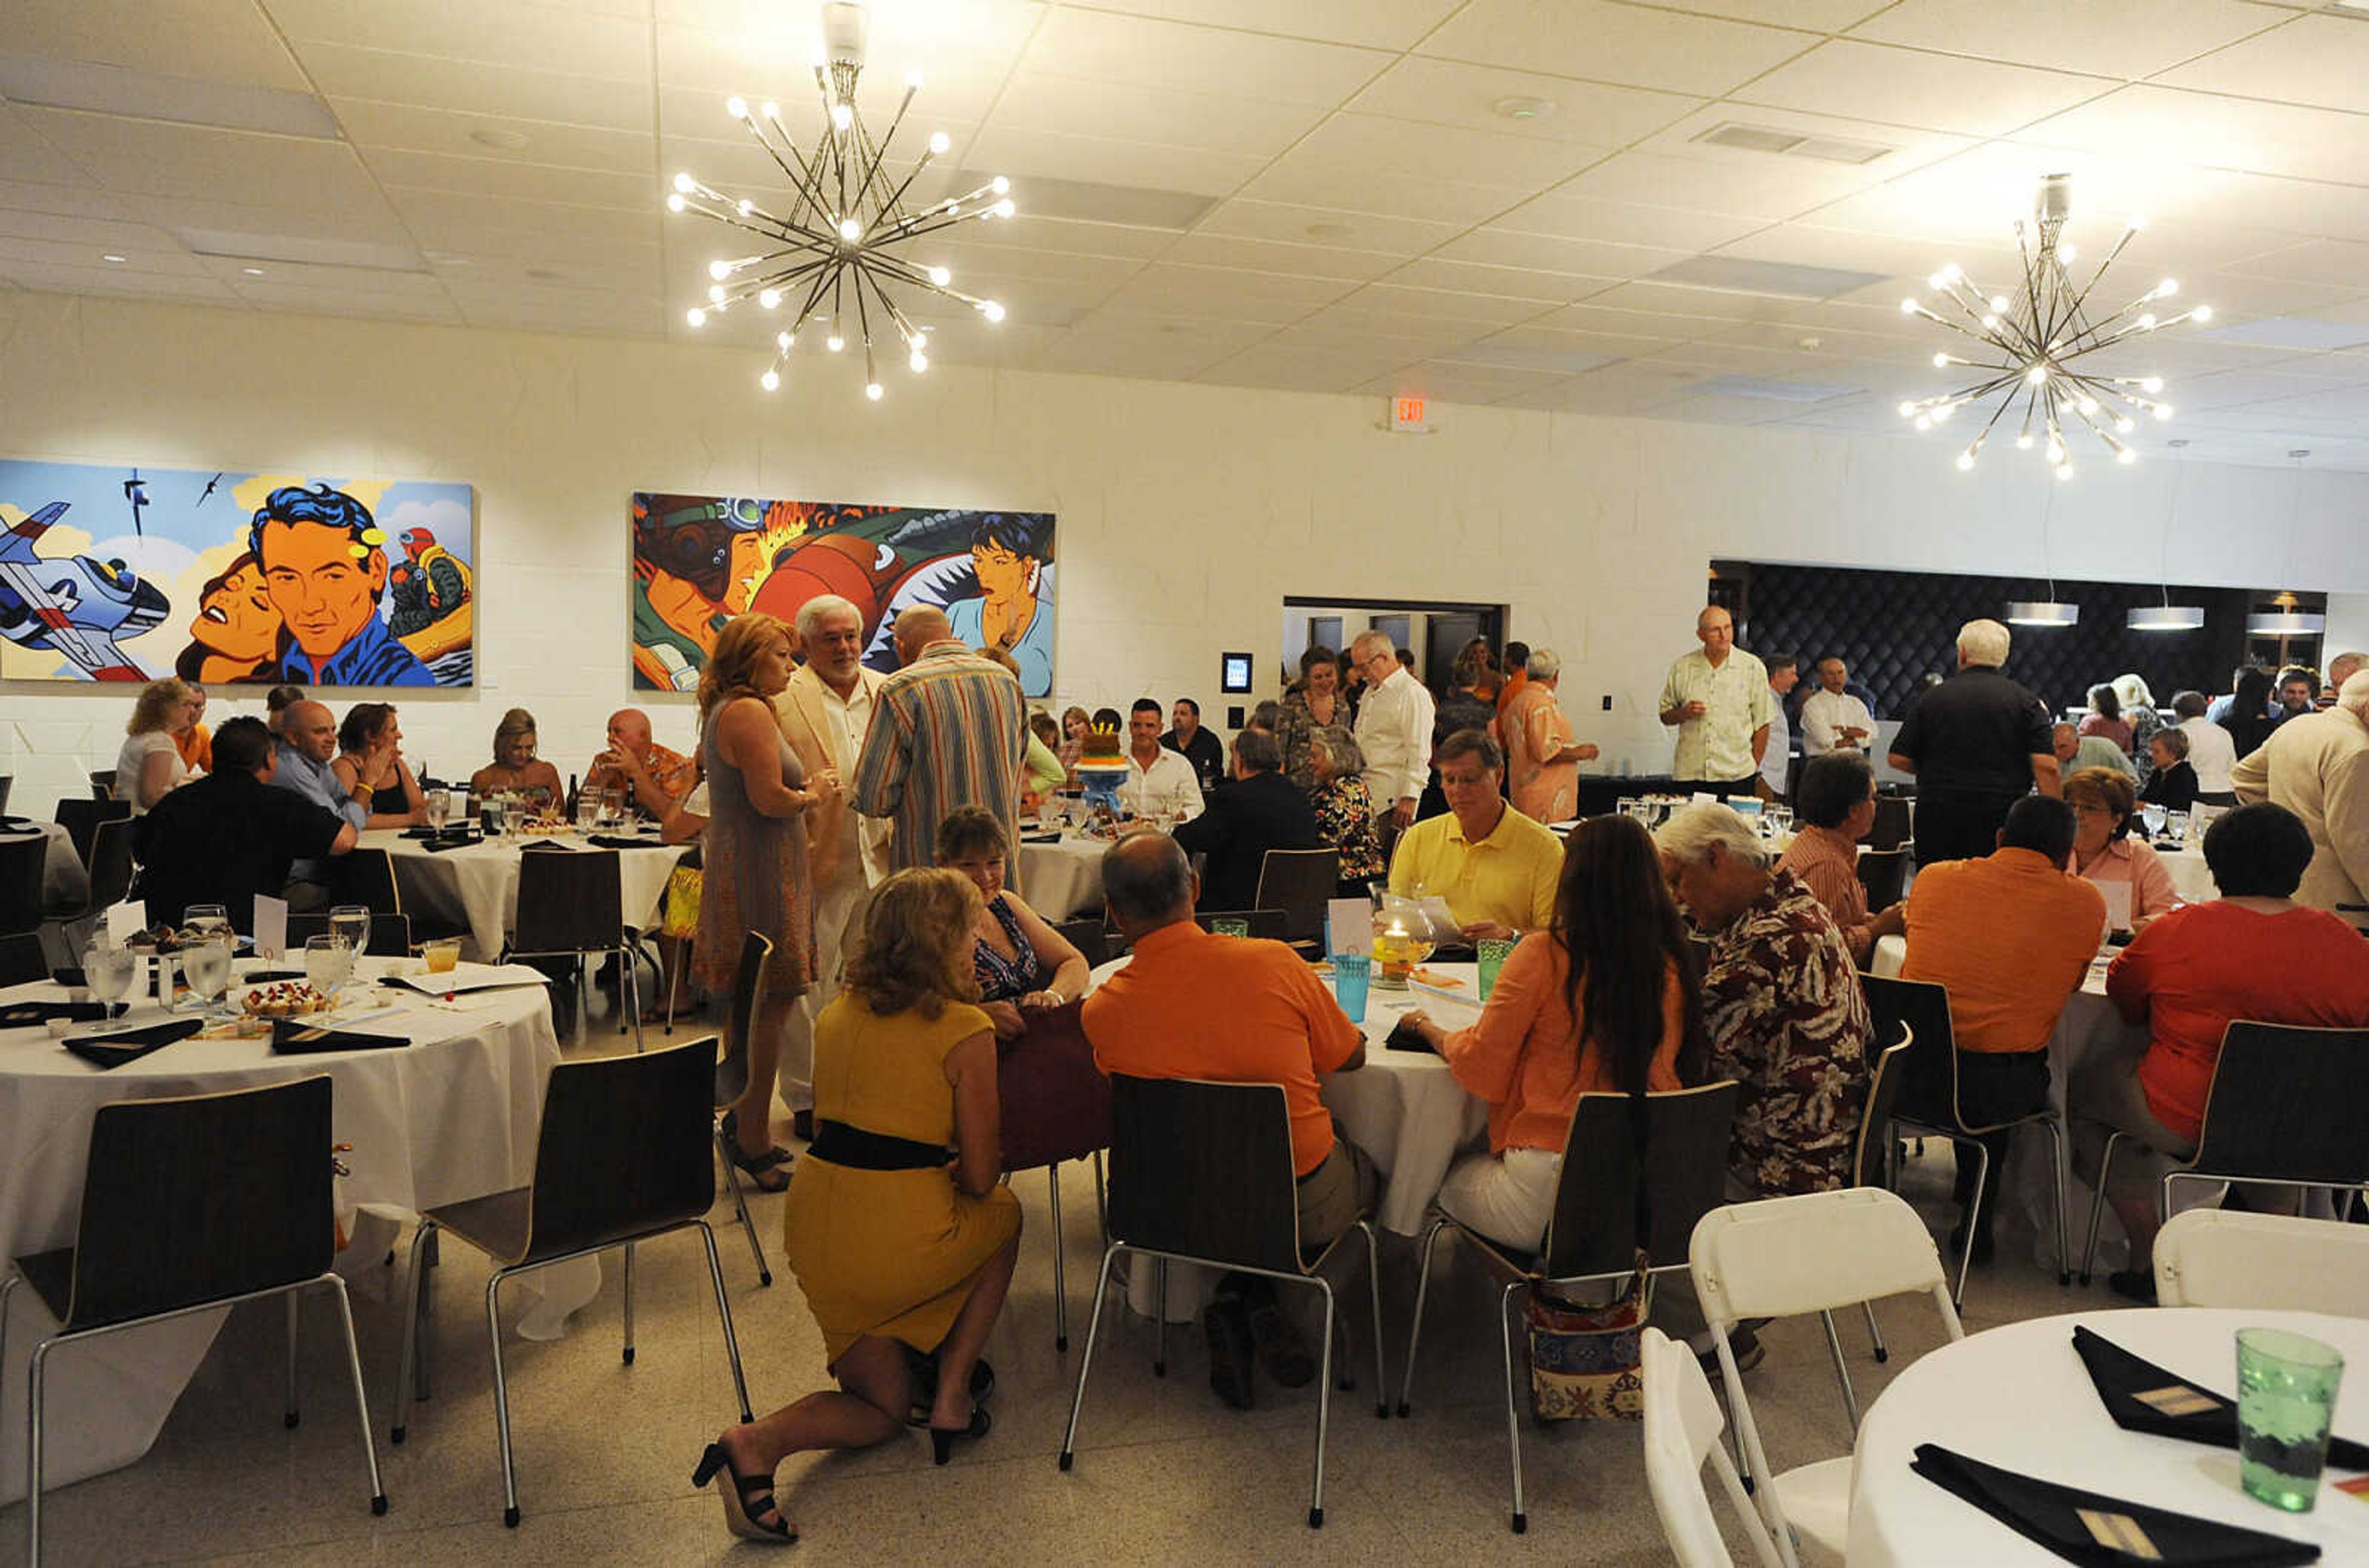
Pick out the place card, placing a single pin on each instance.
(2119, 1532)
(2177, 1398)
(270, 925)
(1348, 925)
(125, 921)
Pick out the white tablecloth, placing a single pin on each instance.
(452, 1117)
(479, 885)
(2190, 878)
(2018, 1397)
(1063, 881)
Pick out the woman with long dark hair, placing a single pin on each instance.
(1607, 998)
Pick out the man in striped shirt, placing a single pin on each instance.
(949, 729)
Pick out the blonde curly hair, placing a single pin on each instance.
(730, 664)
(915, 952)
(158, 700)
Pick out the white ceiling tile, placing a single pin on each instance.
(1903, 86)
(349, 301)
(1535, 344)
(2311, 60)
(1505, 282)
(1448, 92)
(1632, 320)
(1104, 46)
(1550, 253)
(1607, 42)
(447, 219)
(1228, 292)
(1456, 203)
(1036, 100)
(511, 32)
(960, 81)
(2339, 263)
(1767, 188)
(80, 200)
(1566, 213)
(1420, 304)
(1379, 24)
(1302, 222)
(94, 235)
(223, 40)
(1175, 349)
(1677, 300)
(408, 129)
(2211, 132)
(1032, 232)
(27, 158)
(519, 181)
(164, 258)
(2108, 37)
(1275, 255)
(1450, 380)
(1143, 165)
(1366, 144)
(1297, 368)
(140, 157)
(509, 92)
(49, 278)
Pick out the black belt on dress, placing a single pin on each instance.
(858, 1150)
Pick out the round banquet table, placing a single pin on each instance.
(2190, 878)
(1063, 879)
(478, 885)
(451, 1117)
(2018, 1397)
(1405, 1108)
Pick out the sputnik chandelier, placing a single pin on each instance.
(844, 240)
(2027, 344)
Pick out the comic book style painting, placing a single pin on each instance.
(700, 560)
(116, 572)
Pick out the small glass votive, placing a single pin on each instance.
(2287, 1401)
(1228, 926)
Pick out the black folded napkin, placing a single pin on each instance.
(454, 830)
(265, 976)
(2142, 1397)
(437, 846)
(1040, 838)
(71, 976)
(16, 824)
(2089, 1528)
(30, 1015)
(625, 841)
(290, 1038)
(108, 1051)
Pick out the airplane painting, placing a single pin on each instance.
(116, 572)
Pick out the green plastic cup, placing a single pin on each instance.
(1353, 973)
(1229, 928)
(2286, 1399)
(1493, 952)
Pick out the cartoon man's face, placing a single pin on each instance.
(324, 593)
(237, 619)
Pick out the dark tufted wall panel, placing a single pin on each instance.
(1892, 627)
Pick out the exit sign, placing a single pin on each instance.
(1408, 414)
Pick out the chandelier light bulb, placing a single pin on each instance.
(2151, 384)
(2146, 321)
(2163, 410)
(849, 230)
(874, 391)
(918, 360)
(1005, 208)
(2066, 253)
(770, 299)
(1940, 361)
(1966, 460)
(2202, 313)
(913, 81)
(2126, 457)
(1924, 421)
(771, 110)
(1998, 304)
(715, 293)
(1990, 323)
(2168, 288)
(1000, 184)
(842, 116)
(2087, 404)
(1909, 306)
(744, 206)
(685, 184)
(1942, 412)
(939, 143)
(771, 381)
(696, 316)
(2064, 471)
(1952, 271)
(2023, 442)
(781, 341)
(2036, 374)
(992, 310)
(1934, 280)
(675, 203)
(2126, 425)
(2055, 453)
(834, 342)
(1908, 409)
(941, 276)
(2138, 221)
(719, 270)
(737, 107)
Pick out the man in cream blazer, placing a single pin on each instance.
(824, 712)
(2318, 767)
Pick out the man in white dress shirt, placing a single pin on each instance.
(1393, 728)
(1832, 719)
(824, 712)
(2318, 767)
(1717, 698)
(2210, 751)
(1159, 783)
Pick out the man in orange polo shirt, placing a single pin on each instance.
(1277, 1024)
(2010, 937)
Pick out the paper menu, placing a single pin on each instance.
(464, 977)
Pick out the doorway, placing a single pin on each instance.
(1430, 630)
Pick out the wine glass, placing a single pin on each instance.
(204, 920)
(205, 960)
(439, 803)
(328, 962)
(350, 923)
(108, 970)
(589, 808)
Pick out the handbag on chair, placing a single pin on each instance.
(1056, 1102)
(1585, 1361)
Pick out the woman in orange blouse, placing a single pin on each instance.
(1836, 804)
(1605, 998)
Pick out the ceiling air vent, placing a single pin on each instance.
(1794, 144)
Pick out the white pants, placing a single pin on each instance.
(1508, 1197)
(839, 920)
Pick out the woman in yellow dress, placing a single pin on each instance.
(895, 1225)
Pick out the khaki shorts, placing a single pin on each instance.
(1333, 1195)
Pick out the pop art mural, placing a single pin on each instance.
(128, 574)
(700, 560)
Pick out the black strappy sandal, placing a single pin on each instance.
(748, 1496)
(757, 1167)
(942, 1438)
(925, 1376)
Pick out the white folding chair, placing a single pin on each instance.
(2211, 1257)
(1682, 1430)
(1785, 1256)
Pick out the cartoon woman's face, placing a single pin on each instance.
(1001, 574)
(237, 619)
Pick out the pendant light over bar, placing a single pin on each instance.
(2041, 613)
(2166, 618)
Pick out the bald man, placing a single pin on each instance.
(949, 729)
(1717, 698)
(656, 777)
(308, 742)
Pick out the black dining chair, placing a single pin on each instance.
(1895, 822)
(1301, 883)
(390, 935)
(21, 959)
(623, 1156)
(732, 1079)
(1592, 1238)
(1202, 1173)
(1884, 873)
(2286, 1107)
(152, 1243)
(571, 905)
(22, 860)
(102, 787)
(1090, 937)
(81, 818)
(110, 872)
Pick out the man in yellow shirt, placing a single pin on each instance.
(1496, 869)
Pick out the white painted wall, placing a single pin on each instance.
(2348, 625)
(1187, 512)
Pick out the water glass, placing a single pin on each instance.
(2286, 1398)
(108, 970)
(351, 924)
(206, 919)
(438, 804)
(588, 810)
(1230, 927)
(206, 962)
(328, 963)
(1493, 952)
(1353, 973)
(2153, 817)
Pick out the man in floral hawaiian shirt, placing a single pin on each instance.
(1782, 1003)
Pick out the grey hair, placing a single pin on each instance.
(2354, 697)
(811, 612)
(1689, 836)
(1146, 875)
(1340, 749)
(1984, 642)
(2342, 667)
(1259, 750)
(1376, 640)
(1545, 664)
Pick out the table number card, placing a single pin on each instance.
(270, 925)
(1348, 925)
(125, 921)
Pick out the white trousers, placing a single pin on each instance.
(1507, 1197)
(839, 920)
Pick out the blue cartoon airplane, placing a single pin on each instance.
(74, 605)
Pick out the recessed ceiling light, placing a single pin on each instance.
(1809, 342)
(2298, 452)
(544, 274)
(2178, 441)
(111, 255)
(1328, 231)
(1523, 108)
(507, 140)
(252, 271)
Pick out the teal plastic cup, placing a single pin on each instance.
(1353, 973)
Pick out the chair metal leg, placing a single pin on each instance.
(724, 1314)
(1086, 1359)
(2056, 1141)
(1512, 1418)
(1842, 1371)
(290, 1418)
(34, 1398)
(361, 1394)
(1101, 1203)
(501, 1401)
(671, 983)
(583, 998)
(1973, 1217)
(2097, 1203)
(1158, 1317)
(1324, 1406)
(629, 1303)
(1415, 1332)
(633, 992)
(1875, 1334)
(415, 1332)
(740, 1207)
(1061, 1286)
(1374, 1295)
